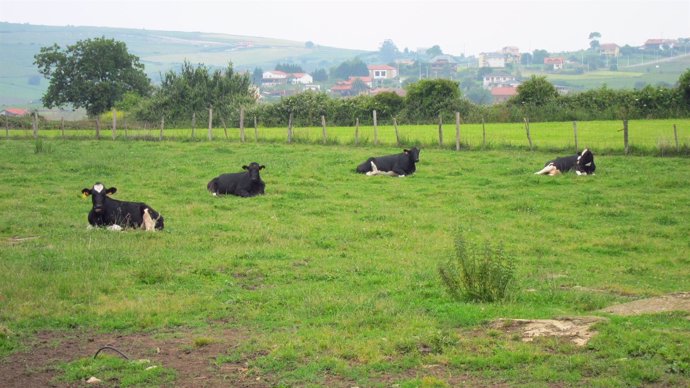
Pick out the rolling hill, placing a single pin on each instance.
(21, 84)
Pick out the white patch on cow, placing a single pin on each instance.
(89, 227)
(115, 228)
(588, 164)
(548, 170)
(98, 188)
(149, 223)
(580, 172)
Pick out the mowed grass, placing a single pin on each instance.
(646, 137)
(334, 274)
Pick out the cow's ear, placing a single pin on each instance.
(579, 153)
(85, 192)
(111, 190)
(406, 151)
(262, 167)
(245, 167)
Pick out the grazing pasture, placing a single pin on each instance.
(331, 277)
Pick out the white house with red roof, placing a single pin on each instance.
(344, 88)
(556, 62)
(301, 78)
(274, 77)
(14, 112)
(382, 72)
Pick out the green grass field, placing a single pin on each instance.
(333, 275)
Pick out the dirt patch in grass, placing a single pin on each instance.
(666, 303)
(576, 329)
(182, 351)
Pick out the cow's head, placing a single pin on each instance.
(253, 170)
(98, 194)
(414, 153)
(585, 163)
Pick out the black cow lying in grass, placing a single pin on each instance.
(116, 214)
(583, 163)
(244, 184)
(393, 165)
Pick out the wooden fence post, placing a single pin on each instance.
(35, 125)
(124, 123)
(210, 123)
(290, 128)
(529, 138)
(397, 134)
(160, 134)
(256, 131)
(575, 133)
(62, 126)
(357, 131)
(114, 122)
(225, 127)
(675, 135)
(98, 128)
(483, 134)
(323, 129)
(440, 130)
(376, 130)
(457, 131)
(625, 136)
(193, 125)
(242, 125)
(7, 127)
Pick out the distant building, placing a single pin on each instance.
(511, 54)
(14, 112)
(610, 49)
(556, 62)
(493, 60)
(658, 44)
(498, 79)
(503, 93)
(378, 72)
(274, 77)
(443, 63)
(300, 78)
(344, 88)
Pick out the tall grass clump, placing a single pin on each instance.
(42, 148)
(478, 273)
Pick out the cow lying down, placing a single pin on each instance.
(583, 163)
(243, 184)
(117, 215)
(393, 165)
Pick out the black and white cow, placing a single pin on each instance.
(393, 165)
(116, 214)
(244, 184)
(583, 163)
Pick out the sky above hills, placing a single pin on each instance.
(458, 27)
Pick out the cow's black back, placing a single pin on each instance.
(401, 164)
(243, 184)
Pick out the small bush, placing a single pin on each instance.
(479, 274)
(42, 148)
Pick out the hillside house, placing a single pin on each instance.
(344, 88)
(443, 63)
(274, 77)
(511, 54)
(658, 44)
(379, 72)
(14, 112)
(493, 60)
(556, 62)
(498, 79)
(610, 49)
(503, 93)
(300, 78)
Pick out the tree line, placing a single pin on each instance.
(99, 75)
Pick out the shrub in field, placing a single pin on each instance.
(478, 273)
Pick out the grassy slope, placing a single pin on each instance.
(335, 273)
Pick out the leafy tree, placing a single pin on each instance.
(388, 51)
(289, 68)
(353, 67)
(94, 74)
(195, 89)
(426, 99)
(539, 55)
(309, 44)
(319, 75)
(388, 104)
(434, 51)
(257, 76)
(526, 59)
(594, 40)
(358, 86)
(536, 91)
(684, 87)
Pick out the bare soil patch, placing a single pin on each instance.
(38, 365)
(665, 303)
(575, 329)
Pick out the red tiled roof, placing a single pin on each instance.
(380, 67)
(505, 91)
(17, 111)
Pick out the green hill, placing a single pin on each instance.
(21, 84)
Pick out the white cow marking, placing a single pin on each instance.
(98, 188)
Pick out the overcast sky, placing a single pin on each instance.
(458, 27)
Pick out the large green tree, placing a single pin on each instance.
(196, 88)
(426, 99)
(536, 91)
(93, 74)
(684, 87)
